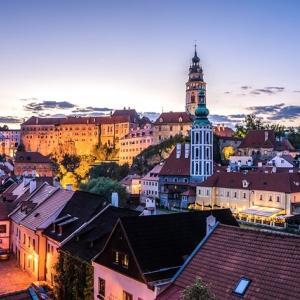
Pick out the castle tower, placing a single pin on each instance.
(201, 141)
(194, 83)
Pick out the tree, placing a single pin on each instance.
(251, 122)
(198, 291)
(73, 279)
(104, 187)
(105, 153)
(4, 128)
(109, 169)
(70, 162)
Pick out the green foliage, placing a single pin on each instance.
(73, 279)
(197, 291)
(111, 170)
(21, 148)
(4, 128)
(151, 156)
(216, 150)
(105, 153)
(294, 137)
(70, 162)
(105, 186)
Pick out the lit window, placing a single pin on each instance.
(127, 296)
(241, 287)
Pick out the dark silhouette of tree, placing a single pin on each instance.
(198, 291)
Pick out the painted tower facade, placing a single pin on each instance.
(193, 85)
(201, 141)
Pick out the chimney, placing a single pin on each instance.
(69, 187)
(266, 135)
(187, 150)
(178, 150)
(56, 182)
(274, 169)
(259, 164)
(210, 223)
(32, 186)
(115, 199)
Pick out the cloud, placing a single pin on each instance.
(91, 109)
(269, 90)
(10, 120)
(245, 87)
(237, 116)
(288, 112)
(296, 91)
(46, 105)
(219, 119)
(266, 108)
(227, 92)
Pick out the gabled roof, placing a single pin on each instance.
(31, 157)
(36, 198)
(174, 166)
(131, 114)
(81, 207)
(257, 180)
(161, 243)
(91, 239)
(153, 173)
(271, 261)
(173, 117)
(39, 217)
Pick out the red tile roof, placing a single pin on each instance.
(173, 117)
(264, 139)
(174, 166)
(270, 260)
(222, 131)
(31, 157)
(117, 118)
(258, 180)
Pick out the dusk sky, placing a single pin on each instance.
(65, 56)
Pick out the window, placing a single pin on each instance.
(2, 228)
(127, 296)
(101, 288)
(121, 259)
(260, 197)
(278, 198)
(235, 194)
(33, 244)
(241, 287)
(270, 198)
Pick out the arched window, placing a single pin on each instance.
(197, 137)
(207, 168)
(196, 168)
(197, 153)
(193, 99)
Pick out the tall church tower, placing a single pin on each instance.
(201, 141)
(194, 83)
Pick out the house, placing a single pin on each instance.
(142, 254)
(9, 141)
(221, 131)
(262, 196)
(169, 124)
(149, 184)
(81, 208)
(33, 163)
(262, 144)
(28, 220)
(132, 183)
(174, 176)
(238, 263)
(282, 161)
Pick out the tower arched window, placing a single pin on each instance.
(197, 153)
(193, 99)
(207, 153)
(207, 168)
(197, 137)
(196, 169)
(207, 137)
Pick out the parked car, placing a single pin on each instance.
(42, 290)
(4, 254)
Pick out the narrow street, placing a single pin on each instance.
(12, 278)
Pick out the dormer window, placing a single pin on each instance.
(245, 183)
(161, 120)
(121, 259)
(180, 119)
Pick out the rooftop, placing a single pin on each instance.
(173, 117)
(31, 157)
(271, 262)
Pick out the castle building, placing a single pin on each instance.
(133, 143)
(193, 85)
(9, 141)
(77, 135)
(201, 157)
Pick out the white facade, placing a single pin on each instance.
(201, 152)
(280, 162)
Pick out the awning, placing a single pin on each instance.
(262, 211)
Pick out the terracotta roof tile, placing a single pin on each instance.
(270, 260)
(173, 117)
(31, 157)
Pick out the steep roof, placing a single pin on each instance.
(173, 117)
(176, 166)
(31, 157)
(223, 131)
(37, 197)
(131, 114)
(160, 242)
(81, 208)
(257, 180)
(153, 173)
(91, 239)
(39, 217)
(271, 261)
